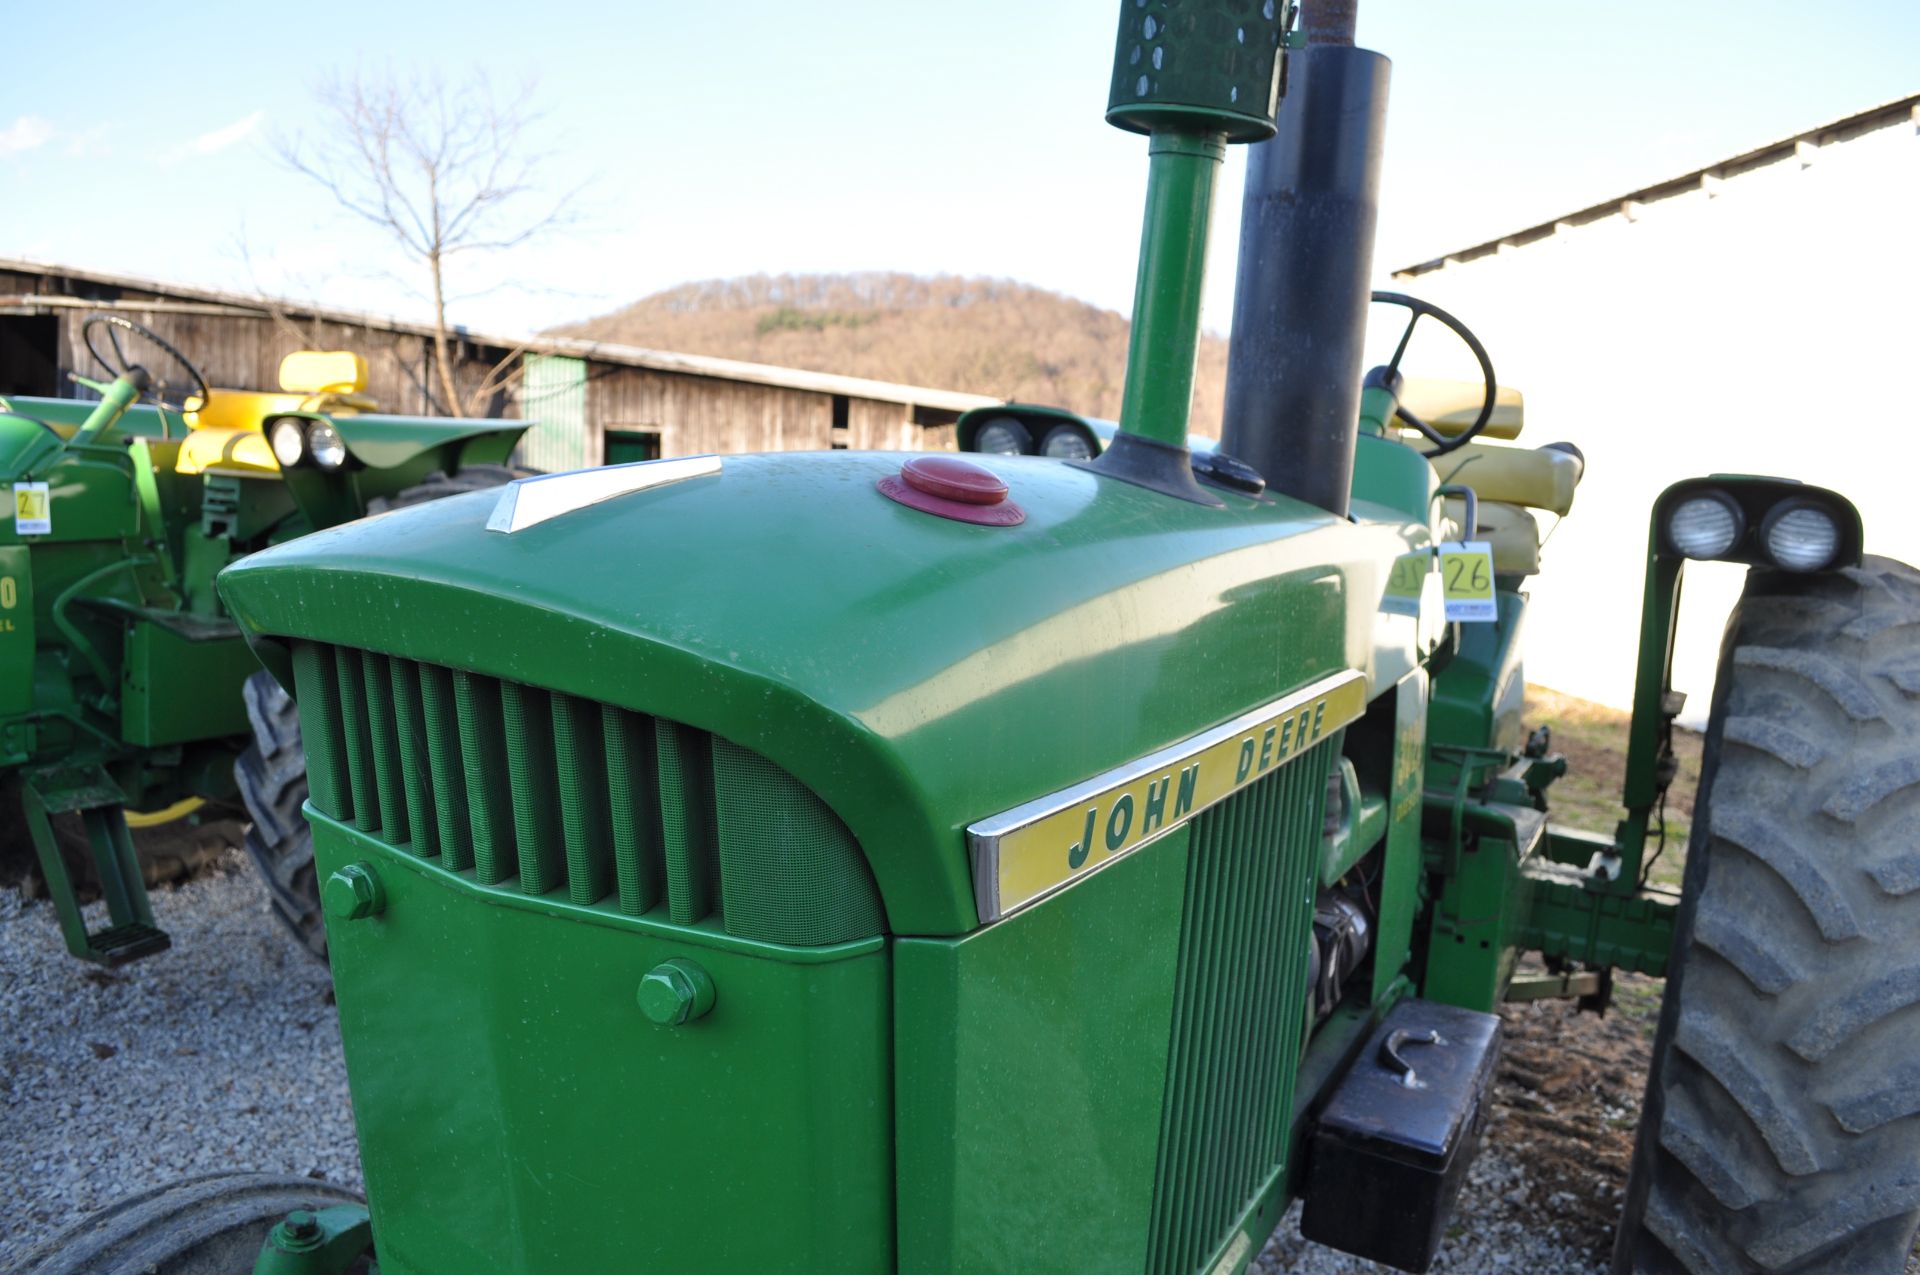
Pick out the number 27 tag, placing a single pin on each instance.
(1466, 578)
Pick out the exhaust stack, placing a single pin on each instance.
(1306, 262)
(1193, 77)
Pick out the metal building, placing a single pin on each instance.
(594, 402)
(1753, 315)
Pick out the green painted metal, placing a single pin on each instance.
(181, 682)
(554, 388)
(1653, 672)
(1226, 1121)
(1036, 656)
(1166, 292)
(1476, 923)
(326, 1242)
(513, 1099)
(1392, 479)
(1569, 918)
(654, 931)
(1030, 1059)
(734, 837)
(1206, 65)
(16, 634)
(86, 791)
(1401, 868)
(1480, 696)
(115, 652)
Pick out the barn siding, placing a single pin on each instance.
(695, 415)
(693, 412)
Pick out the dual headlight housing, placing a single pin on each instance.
(1026, 429)
(300, 440)
(1771, 522)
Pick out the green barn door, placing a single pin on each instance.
(554, 394)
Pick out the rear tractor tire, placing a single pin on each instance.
(213, 1225)
(272, 774)
(1781, 1129)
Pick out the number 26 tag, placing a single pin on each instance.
(1466, 578)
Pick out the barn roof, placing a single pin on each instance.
(1797, 146)
(183, 298)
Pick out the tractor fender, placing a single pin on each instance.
(379, 441)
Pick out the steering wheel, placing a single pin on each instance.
(120, 365)
(1420, 309)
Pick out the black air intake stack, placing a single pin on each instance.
(1305, 269)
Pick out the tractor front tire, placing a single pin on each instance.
(1781, 1129)
(272, 777)
(212, 1225)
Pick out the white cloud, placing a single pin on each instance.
(232, 135)
(24, 134)
(90, 143)
(219, 139)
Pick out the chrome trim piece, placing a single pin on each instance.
(525, 502)
(985, 837)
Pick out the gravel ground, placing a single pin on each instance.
(223, 1053)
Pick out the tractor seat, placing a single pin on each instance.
(1536, 477)
(1509, 530)
(1451, 406)
(310, 381)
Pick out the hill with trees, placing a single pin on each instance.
(985, 336)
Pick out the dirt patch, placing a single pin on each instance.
(1567, 1102)
(169, 854)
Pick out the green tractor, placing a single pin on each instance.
(129, 703)
(1011, 864)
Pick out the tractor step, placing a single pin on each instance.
(88, 791)
(119, 944)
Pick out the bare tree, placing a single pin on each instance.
(444, 171)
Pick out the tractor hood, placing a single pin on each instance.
(917, 673)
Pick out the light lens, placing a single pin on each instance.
(1704, 526)
(1003, 436)
(1064, 442)
(329, 449)
(289, 442)
(1801, 537)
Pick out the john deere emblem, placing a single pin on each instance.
(1029, 852)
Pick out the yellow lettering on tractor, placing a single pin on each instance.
(1017, 856)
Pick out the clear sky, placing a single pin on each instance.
(728, 138)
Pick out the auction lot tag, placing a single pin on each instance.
(32, 509)
(1466, 576)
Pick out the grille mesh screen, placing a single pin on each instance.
(1237, 1014)
(542, 792)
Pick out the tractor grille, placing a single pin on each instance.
(1239, 1009)
(540, 792)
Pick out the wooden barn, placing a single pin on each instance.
(595, 402)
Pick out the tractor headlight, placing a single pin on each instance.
(289, 442)
(1705, 526)
(328, 448)
(1064, 442)
(1003, 436)
(1800, 536)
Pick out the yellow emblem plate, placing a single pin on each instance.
(1036, 849)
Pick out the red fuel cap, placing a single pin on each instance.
(953, 488)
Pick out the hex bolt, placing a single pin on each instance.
(675, 992)
(354, 892)
(299, 1233)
